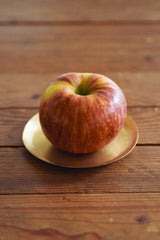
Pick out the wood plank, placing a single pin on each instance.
(80, 217)
(148, 123)
(86, 10)
(83, 48)
(12, 122)
(21, 173)
(24, 90)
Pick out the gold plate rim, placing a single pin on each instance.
(85, 159)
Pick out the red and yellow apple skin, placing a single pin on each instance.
(82, 112)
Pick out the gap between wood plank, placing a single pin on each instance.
(77, 193)
(36, 107)
(138, 144)
(62, 23)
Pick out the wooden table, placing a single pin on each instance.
(40, 40)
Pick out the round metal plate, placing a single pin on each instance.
(37, 144)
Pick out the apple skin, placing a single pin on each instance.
(82, 112)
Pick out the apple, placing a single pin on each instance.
(82, 112)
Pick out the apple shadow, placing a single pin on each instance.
(48, 178)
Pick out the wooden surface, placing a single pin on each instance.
(83, 217)
(21, 173)
(80, 47)
(40, 40)
(88, 10)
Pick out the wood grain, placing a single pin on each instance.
(148, 123)
(85, 10)
(80, 217)
(12, 122)
(21, 173)
(25, 90)
(80, 48)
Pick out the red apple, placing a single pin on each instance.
(82, 112)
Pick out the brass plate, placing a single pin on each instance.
(37, 144)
